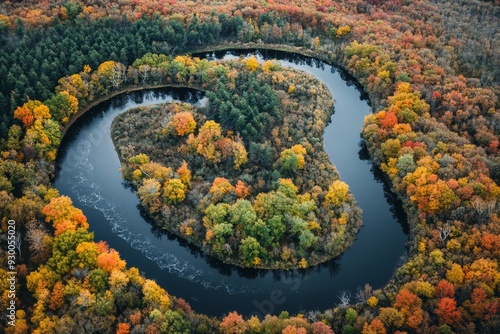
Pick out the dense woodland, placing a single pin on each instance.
(431, 73)
(279, 205)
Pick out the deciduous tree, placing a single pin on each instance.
(184, 123)
(233, 323)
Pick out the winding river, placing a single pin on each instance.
(88, 172)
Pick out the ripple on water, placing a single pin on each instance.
(91, 195)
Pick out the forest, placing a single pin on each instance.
(430, 69)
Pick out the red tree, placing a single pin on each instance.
(447, 312)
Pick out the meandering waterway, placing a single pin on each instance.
(88, 172)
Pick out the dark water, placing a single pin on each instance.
(89, 173)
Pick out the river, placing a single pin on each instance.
(88, 172)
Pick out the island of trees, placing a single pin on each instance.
(430, 68)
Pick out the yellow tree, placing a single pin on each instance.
(337, 193)
(155, 296)
(240, 155)
(174, 191)
(74, 85)
(301, 152)
(252, 64)
(316, 42)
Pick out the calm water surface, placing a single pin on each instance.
(88, 172)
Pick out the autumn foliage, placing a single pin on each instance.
(430, 69)
(63, 215)
(184, 123)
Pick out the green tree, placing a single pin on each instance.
(242, 213)
(174, 323)
(251, 251)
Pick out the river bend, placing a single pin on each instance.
(88, 172)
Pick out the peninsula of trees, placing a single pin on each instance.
(278, 205)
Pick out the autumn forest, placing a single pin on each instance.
(244, 177)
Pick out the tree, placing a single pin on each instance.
(405, 164)
(74, 85)
(447, 312)
(241, 190)
(391, 317)
(220, 187)
(87, 253)
(63, 215)
(375, 327)
(36, 234)
(25, 115)
(204, 143)
(139, 159)
(411, 308)
(319, 327)
(149, 194)
(290, 329)
(240, 155)
(292, 159)
(123, 328)
(337, 193)
(184, 123)
(316, 42)
(56, 298)
(251, 251)
(233, 323)
(64, 250)
(184, 174)
(174, 191)
(14, 137)
(62, 106)
(155, 296)
(455, 275)
(252, 64)
(175, 323)
(109, 261)
(391, 148)
(216, 214)
(344, 30)
(479, 305)
(444, 289)
(242, 213)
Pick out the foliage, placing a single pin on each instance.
(435, 135)
(275, 223)
(184, 123)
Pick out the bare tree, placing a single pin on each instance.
(144, 71)
(345, 298)
(118, 75)
(484, 209)
(35, 234)
(444, 232)
(362, 294)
